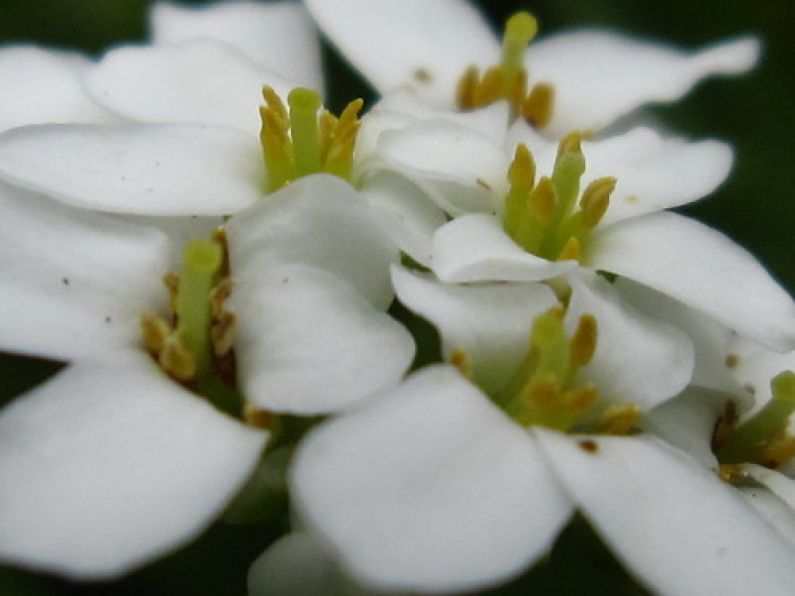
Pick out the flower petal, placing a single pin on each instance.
(44, 86)
(310, 343)
(772, 508)
(409, 42)
(74, 283)
(320, 221)
(712, 340)
(782, 486)
(144, 169)
(198, 82)
(476, 248)
(702, 268)
(461, 169)
(404, 213)
(600, 76)
(490, 323)
(278, 35)
(431, 488)
(674, 524)
(106, 467)
(638, 359)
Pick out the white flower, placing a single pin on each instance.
(433, 488)
(597, 76)
(190, 105)
(110, 463)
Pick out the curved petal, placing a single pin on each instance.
(431, 488)
(712, 341)
(460, 168)
(106, 467)
(44, 86)
(278, 35)
(667, 518)
(295, 565)
(198, 82)
(638, 359)
(490, 323)
(476, 248)
(74, 283)
(143, 169)
(700, 267)
(404, 213)
(772, 508)
(779, 484)
(688, 422)
(601, 76)
(320, 221)
(409, 42)
(311, 344)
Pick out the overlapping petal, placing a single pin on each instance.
(108, 466)
(701, 268)
(430, 488)
(278, 35)
(668, 518)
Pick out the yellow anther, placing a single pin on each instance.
(171, 281)
(537, 108)
(256, 418)
(571, 143)
(777, 452)
(223, 332)
(542, 200)
(595, 201)
(218, 295)
(467, 88)
(522, 171)
(618, 419)
(581, 400)
(275, 103)
(176, 359)
(155, 332)
(489, 89)
(544, 392)
(571, 251)
(583, 342)
(733, 474)
(461, 359)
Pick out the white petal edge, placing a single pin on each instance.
(278, 35)
(141, 169)
(197, 82)
(702, 268)
(75, 283)
(599, 76)
(667, 518)
(139, 467)
(413, 43)
(475, 248)
(431, 488)
(490, 323)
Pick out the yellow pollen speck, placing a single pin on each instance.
(461, 359)
(588, 445)
(732, 474)
(155, 332)
(257, 418)
(423, 75)
(732, 360)
(632, 198)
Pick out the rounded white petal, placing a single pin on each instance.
(143, 169)
(490, 323)
(712, 340)
(460, 168)
(106, 467)
(476, 248)
(688, 422)
(431, 488)
(674, 524)
(779, 484)
(42, 86)
(74, 283)
(309, 343)
(320, 221)
(295, 565)
(772, 508)
(638, 359)
(278, 35)
(424, 45)
(198, 82)
(700, 267)
(601, 76)
(404, 213)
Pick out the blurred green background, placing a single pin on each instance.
(755, 207)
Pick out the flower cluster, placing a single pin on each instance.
(228, 269)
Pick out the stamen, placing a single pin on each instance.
(749, 441)
(618, 419)
(583, 342)
(537, 108)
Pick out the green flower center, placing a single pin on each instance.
(304, 139)
(194, 346)
(509, 80)
(545, 389)
(544, 218)
(762, 439)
